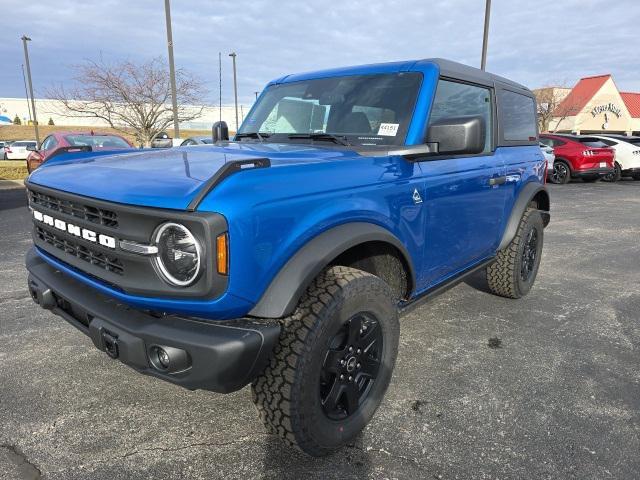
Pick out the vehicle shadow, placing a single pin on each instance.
(478, 280)
(284, 462)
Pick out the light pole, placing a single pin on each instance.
(256, 95)
(233, 55)
(485, 37)
(26, 93)
(26, 39)
(172, 70)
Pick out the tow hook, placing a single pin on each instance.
(110, 343)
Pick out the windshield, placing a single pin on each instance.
(103, 141)
(358, 110)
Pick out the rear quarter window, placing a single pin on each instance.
(517, 117)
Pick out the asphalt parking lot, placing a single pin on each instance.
(485, 387)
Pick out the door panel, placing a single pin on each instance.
(464, 213)
(464, 195)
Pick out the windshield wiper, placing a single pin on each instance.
(339, 139)
(259, 135)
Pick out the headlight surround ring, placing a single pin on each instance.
(159, 262)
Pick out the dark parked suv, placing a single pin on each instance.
(582, 157)
(282, 259)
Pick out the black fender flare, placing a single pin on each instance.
(527, 194)
(286, 288)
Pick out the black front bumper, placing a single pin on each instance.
(221, 356)
(593, 172)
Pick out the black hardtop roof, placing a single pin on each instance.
(449, 68)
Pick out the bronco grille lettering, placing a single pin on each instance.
(75, 230)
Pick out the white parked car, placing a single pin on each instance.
(549, 156)
(18, 150)
(627, 159)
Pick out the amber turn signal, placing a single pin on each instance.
(222, 254)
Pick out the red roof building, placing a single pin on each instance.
(595, 105)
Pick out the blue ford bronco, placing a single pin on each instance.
(283, 258)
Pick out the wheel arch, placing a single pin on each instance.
(566, 161)
(362, 245)
(531, 192)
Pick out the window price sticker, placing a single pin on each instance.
(388, 129)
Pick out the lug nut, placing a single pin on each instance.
(350, 378)
(351, 349)
(341, 377)
(342, 362)
(358, 351)
(358, 366)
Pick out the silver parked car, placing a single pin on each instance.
(202, 140)
(549, 156)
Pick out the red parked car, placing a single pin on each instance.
(63, 142)
(578, 156)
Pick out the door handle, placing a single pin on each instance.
(498, 180)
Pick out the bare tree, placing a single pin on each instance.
(555, 104)
(548, 100)
(130, 97)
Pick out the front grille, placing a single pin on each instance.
(107, 262)
(99, 216)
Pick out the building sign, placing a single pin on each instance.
(609, 107)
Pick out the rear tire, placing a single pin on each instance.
(561, 173)
(513, 273)
(615, 176)
(316, 393)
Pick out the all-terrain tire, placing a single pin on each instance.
(505, 275)
(287, 393)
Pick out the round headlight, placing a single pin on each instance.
(179, 254)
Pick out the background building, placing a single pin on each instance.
(595, 105)
(52, 109)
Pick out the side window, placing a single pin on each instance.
(546, 141)
(48, 143)
(558, 143)
(517, 117)
(455, 99)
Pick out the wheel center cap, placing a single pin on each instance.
(351, 364)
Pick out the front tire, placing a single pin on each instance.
(513, 273)
(561, 173)
(333, 363)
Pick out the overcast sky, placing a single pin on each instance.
(535, 42)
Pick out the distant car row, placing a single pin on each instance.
(75, 141)
(592, 157)
(588, 157)
(16, 150)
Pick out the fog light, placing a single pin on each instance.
(163, 358)
(169, 359)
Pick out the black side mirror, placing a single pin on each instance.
(458, 135)
(219, 132)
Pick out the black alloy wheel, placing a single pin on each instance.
(561, 173)
(614, 176)
(351, 366)
(529, 254)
